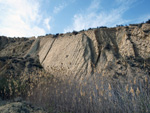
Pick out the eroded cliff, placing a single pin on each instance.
(114, 52)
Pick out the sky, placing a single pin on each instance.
(27, 18)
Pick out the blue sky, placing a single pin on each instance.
(25, 18)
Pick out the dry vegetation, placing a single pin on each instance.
(95, 95)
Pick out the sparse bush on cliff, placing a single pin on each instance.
(48, 34)
(148, 21)
(90, 29)
(56, 35)
(119, 25)
(11, 88)
(103, 27)
(75, 32)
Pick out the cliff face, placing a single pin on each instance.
(115, 52)
(109, 51)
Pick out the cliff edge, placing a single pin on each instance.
(114, 52)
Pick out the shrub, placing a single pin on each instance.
(119, 25)
(148, 21)
(11, 88)
(48, 34)
(90, 29)
(103, 27)
(56, 35)
(75, 32)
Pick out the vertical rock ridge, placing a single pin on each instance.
(48, 50)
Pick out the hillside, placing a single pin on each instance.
(121, 55)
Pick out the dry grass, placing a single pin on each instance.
(97, 94)
(94, 95)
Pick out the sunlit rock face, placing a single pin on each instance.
(95, 51)
(114, 52)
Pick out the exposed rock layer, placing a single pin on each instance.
(114, 52)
